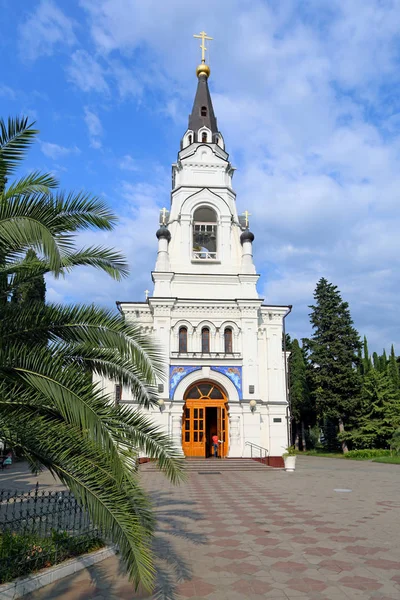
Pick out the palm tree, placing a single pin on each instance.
(50, 409)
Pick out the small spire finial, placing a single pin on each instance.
(203, 69)
(203, 36)
(146, 292)
(246, 217)
(163, 216)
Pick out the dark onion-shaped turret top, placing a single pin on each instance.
(163, 232)
(246, 236)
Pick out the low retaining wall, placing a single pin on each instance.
(19, 587)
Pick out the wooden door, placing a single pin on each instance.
(198, 398)
(221, 427)
(194, 442)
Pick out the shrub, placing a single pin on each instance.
(21, 554)
(395, 442)
(367, 453)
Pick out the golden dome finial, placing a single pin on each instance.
(203, 69)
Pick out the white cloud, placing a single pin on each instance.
(95, 128)
(55, 151)
(127, 163)
(306, 95)
(86, 73)
(46, 29)
(6, 91)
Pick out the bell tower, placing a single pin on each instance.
(205, 248)
(224, 366)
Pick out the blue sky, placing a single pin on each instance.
(306, 94)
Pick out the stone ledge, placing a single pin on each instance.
(22, 586)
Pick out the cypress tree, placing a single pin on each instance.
(332, 354)
(299, 392)
(33, 290)
(383, 362)
(376, 361)
(393, 369)
(366, 363)
(360, 363)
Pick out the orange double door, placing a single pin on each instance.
(204, 415)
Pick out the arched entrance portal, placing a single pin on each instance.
(204, 415)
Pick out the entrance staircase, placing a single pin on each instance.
(208, 466)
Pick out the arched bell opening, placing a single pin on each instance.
(205, 414)
(204, 234)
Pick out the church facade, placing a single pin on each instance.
(225, 366)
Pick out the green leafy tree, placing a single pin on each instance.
(376, 361)
(332, 355)
(49, 409)
(299, 393)
(379, 412)
(393, 369)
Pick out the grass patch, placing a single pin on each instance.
(321, 454)
(390, 460)
(366, 454)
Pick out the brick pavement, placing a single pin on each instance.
(266, 534)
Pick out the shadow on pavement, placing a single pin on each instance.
(108, 580)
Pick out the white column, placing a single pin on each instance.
(176, 426)
(162, 263)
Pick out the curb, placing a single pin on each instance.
(19, 587)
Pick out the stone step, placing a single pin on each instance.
(210, 465)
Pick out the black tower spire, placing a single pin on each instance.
(202, 114)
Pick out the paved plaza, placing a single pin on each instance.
(261, 533)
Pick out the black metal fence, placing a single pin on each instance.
(40, 528)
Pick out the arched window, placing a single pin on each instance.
(228, 340)
(190, 139)
(205, 340)
(203, 111)
(204, 136)
(183, 340)
(204, 234)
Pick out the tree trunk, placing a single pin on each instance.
(341, 429)
(303, 437)
(296, 436)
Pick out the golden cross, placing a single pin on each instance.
(203, 36)
(246, 216)
(164, 215)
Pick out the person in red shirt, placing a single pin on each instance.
(215, 442)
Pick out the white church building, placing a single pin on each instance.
(225, 368)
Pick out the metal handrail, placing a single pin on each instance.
(260, 449)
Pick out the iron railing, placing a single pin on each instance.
(258, 452)
(40, 528)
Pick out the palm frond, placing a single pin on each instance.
(31, 184)
(80, 211)
(94, 327)
(26, 232)
(15, 138)
(110, 261)
(120, 509)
